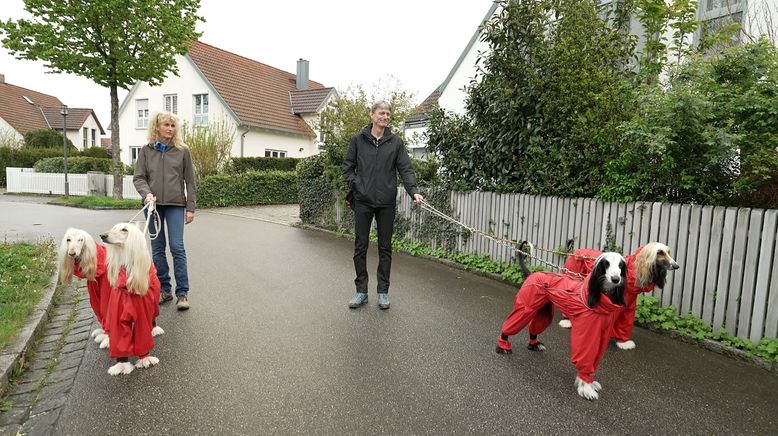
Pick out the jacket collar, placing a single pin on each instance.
(367, 132)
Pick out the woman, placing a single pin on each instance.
(164, 172)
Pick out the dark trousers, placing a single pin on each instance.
(363, 219)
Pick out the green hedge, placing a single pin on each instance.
(45, 138)
(76, 165)
(23, 158)
(246, 189)
(95, 152)
(246, 164)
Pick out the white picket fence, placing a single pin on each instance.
(728, 258)
(28, 181)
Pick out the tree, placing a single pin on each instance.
(210, 146)
(113, 42)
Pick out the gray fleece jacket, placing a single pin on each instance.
(168, 175)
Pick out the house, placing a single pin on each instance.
(754, 16)
(274, 113)
(24, 110)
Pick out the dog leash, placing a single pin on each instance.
(513, 245)
(152, 211)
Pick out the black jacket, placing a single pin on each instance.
(371, 168)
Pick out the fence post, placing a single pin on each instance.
(96, 183)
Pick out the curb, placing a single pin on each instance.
(15, 353)
(707, 344)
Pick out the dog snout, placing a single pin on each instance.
(616, 280)
(104, 237)
(674, 265)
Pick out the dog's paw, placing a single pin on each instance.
(147, 362)
(586, 390)
(100, 337)
(105, 343)
(537, 346)
(503, 346)
(96, 332)
(121, 368)
(565, 323)
(156, 331)
(626, 345)
(597, 386)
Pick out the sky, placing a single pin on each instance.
(410, 44)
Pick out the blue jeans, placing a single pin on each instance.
(173, 216)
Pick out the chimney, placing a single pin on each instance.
(2, 78)
(302, 74)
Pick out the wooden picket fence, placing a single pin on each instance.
(728, 272)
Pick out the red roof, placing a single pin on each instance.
(258, 94)
(23, 115)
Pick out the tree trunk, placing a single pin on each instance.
(118, 174)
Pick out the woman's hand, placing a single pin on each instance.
(189, 217)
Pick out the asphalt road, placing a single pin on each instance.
(269, 347)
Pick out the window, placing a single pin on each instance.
(170, 103)
(86, 137)
(142, 113)
(719, 4)
(94, 138)
(134, 154)
(200, 109)
(275, 153)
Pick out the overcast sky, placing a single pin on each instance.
(413, 42)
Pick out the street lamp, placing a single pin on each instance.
(64, 112)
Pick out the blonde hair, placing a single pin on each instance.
(158, 119)
(126, 248)
(85, 249)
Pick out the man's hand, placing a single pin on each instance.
(149, 197)
(417, 198)
(189, 217)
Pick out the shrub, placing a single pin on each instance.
(316, 194)
(76, 165)
(246, 189)
(95, 152)
(23, 158)
(245, 164)
(209, 146)
(45, 138)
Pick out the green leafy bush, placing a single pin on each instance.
(23, 158)
(45, 138)
(95, 152)
(245, 164)
(316, 194)
(663, 317)
(76, 165)
(246, 189)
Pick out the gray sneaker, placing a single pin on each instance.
(165, 297)
(383, 301)
(358, 300)
(182, 303)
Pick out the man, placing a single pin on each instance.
(374, 158)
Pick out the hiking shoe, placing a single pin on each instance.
(165, 296)
(383, 301)
(359, 299)
(182, 303)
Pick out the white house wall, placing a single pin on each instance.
(454, 96)
(257, 141)
(187, 84)
(6, 128)
(78, 136)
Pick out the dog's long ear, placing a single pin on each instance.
(65, 261)
(617, 293)
(595, 283)
(88, 256)
(644, 263)
(524, 247)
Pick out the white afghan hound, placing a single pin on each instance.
(79, 255)
(134, 298)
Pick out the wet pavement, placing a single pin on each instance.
(269, 347)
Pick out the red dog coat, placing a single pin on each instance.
(131, 317)
(99, 289)
(625, 319)
(591, 327)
